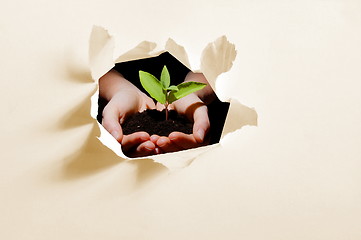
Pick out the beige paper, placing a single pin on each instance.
(101, 47)
(217, 58)
(294, 177)
(142, 50)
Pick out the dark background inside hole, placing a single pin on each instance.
(217, 110)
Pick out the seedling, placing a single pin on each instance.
(161, 90)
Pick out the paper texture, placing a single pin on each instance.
(217, 58)
(101, 49)
(296, 176)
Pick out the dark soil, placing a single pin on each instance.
(153, 122)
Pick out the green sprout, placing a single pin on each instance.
(161, 90)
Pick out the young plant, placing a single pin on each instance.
(161, 90)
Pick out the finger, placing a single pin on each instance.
(111, 122)
(166, 145)
(201, 123)
(144, 149)
(146, 102)
(146, 105)
(159, 106)
(170, 107)
(154, 138)
(184, 141)
(133, 140)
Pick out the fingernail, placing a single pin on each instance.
(154, 138)
(148, 148)
(162, 142)
(144, 138)
(115, 134)
(172, 136)
(201, 134)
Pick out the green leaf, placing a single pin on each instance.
(165, 78)
(153, 86)
(184, 89)
(174, 88)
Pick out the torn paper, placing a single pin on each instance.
(101, 49)
(217, 58)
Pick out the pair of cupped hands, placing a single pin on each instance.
(125, 99)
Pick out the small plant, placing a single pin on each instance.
(161, 90)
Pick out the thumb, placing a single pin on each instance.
(111, 122)
(201, 123)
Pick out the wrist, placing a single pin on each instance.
(112, 83)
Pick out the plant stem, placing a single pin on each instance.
(166, 111)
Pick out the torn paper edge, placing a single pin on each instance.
(217, 58)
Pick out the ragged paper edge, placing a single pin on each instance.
(217, 58)
(101, 48)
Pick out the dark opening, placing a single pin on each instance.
(217, 110)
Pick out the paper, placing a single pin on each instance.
(217, 58)
(101, 49)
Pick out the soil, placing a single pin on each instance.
(153, 122)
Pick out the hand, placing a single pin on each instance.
(125, 99)
(195, 110)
